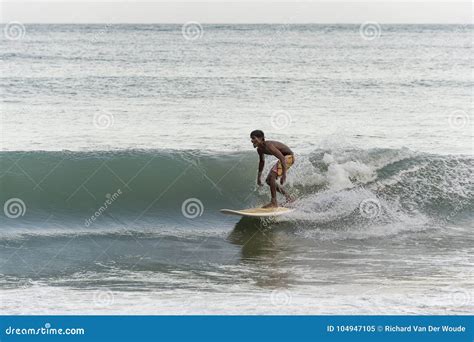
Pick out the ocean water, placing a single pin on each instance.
(120, 143)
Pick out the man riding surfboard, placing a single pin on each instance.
(285, 157)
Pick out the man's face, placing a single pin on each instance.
(255, 141)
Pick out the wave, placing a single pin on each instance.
(335, 187)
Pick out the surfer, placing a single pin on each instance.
(285, 160)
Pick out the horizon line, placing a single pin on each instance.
(229, 23)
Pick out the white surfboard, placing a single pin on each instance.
(258, 212)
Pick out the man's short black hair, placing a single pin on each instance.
(257, 133)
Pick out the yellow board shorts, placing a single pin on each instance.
(278, 168)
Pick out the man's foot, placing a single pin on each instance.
(290, 199)
(271, 205)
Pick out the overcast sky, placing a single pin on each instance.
(108, 11)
